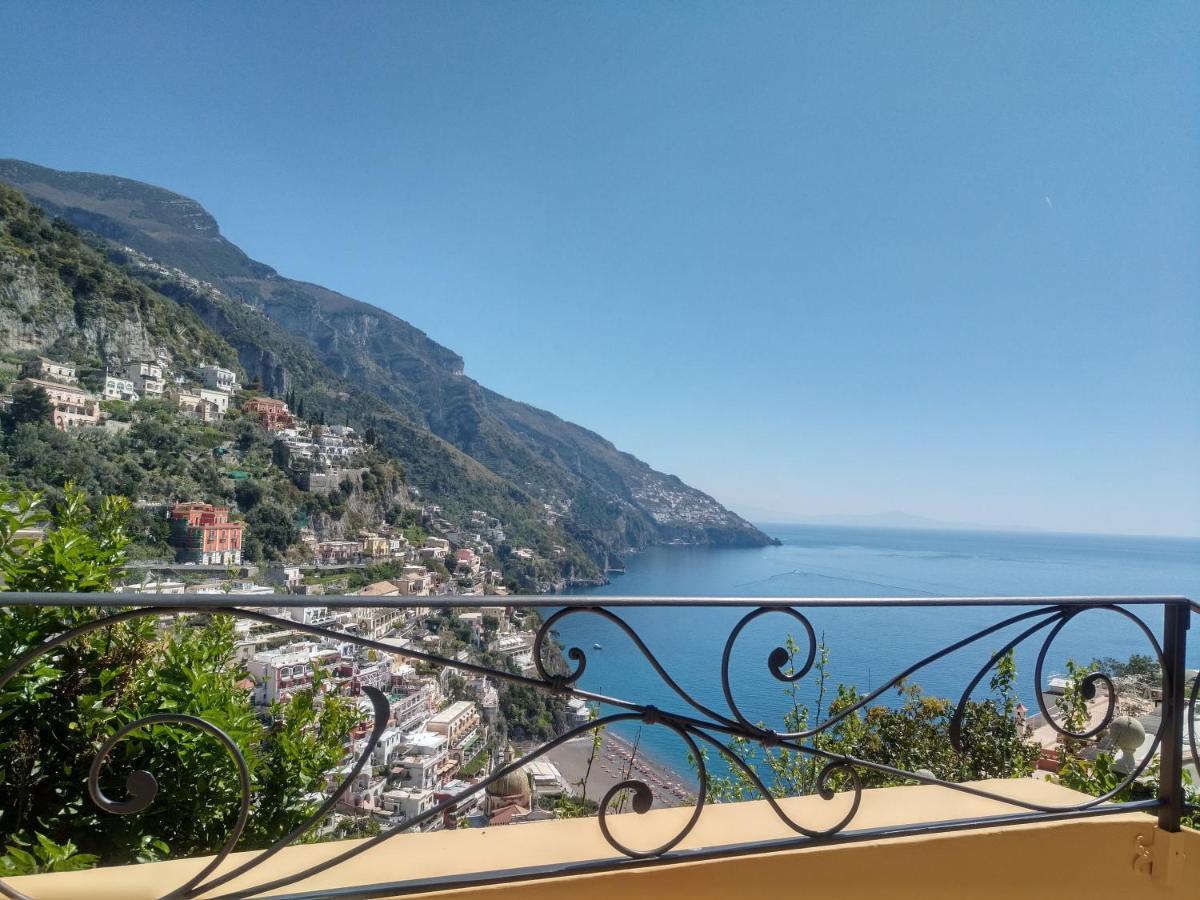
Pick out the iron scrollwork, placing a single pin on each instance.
(696, 724)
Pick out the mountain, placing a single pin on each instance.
(365, 363)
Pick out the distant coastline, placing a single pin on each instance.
(918, 523)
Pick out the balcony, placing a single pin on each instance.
(921, 836)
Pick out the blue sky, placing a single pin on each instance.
(813, 258)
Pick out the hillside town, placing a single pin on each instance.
(445, 729)
(437, 556)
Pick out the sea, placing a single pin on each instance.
(866, 646)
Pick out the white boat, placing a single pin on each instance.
(597, 647)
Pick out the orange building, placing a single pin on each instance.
(202, 533)
(274, 414)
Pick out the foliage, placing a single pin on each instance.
(30, 403)
(273, 527)
(248, 495)
(913, 734)
(1072, 705)
(57, 711)
(1097, 775)
(566, 806)
(303, 745)
(42, 855)
(1139, 667)
(597, 743)
(475, 764)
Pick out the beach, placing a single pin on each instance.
(612, 765)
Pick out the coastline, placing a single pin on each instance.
(670, 788)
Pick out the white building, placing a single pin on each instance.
(408, 803)
(147, 377)
(220, 399)
(154, 587)
(218, 379)
(545, 777)
(119, 389)
(196, 406)
(365, 790)
(310, 615)
(284, 575)
(518, 647)
(250, 588)
(412, 710)
(390, 742)
(459, 722)
(279, 673)
(474, 621)
(425, 760)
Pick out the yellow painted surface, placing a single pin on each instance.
(1094, 858)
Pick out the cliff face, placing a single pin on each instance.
(606, 499)
(58, 296)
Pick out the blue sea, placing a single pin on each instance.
(868, 646)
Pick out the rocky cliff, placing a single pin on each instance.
(605, 499)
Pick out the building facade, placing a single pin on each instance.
(117, 388)
(73, 406)
(147, 378)
(459, 722)
(202, 533)
(197, 406)
(272, 413)
(218, 379)
(40, 367)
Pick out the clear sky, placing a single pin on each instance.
(812, 258)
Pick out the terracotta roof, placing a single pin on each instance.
(505, 814)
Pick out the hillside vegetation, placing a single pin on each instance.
(459, 442)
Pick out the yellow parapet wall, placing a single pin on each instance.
(1117, 856)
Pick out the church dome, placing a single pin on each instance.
(511, 785)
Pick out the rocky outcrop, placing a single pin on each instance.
(42, 315)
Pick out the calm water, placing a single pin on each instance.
(868, 646)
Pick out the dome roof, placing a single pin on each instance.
(510, 785)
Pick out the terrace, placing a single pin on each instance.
(921, 836)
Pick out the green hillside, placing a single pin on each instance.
(62, 297)
(353, 357)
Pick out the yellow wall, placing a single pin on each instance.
(1117, 856)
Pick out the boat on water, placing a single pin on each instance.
(597, 647)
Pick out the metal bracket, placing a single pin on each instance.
(1159, 855)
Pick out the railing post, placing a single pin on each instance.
(1176, 619)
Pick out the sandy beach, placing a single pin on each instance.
(612, 765)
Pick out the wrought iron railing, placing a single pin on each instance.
(697, 724)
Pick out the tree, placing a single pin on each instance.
(56, 712)
(273, 527)
(248, 494)
(1072, 705)
(597, 742)
(913, 734)
(30, 403)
